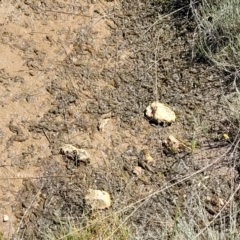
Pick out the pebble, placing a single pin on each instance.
(98, 199)
(160, 113)
(146, 156)
(73, 152)
(173, 144)
(5, 218)
(137, 171)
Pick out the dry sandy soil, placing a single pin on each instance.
(69, 67)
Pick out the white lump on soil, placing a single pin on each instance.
(75, 153)
(5, 218)
(160, 113)
(173, 144)
(98, 199)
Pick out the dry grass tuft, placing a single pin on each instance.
(98, 226)
(218, 32)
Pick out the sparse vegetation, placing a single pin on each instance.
(98, 226)
(194, 222)
(179, 195)
(218, 32)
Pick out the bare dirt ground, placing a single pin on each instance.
(68, 67)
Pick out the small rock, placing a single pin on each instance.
(193, 70)
(98, 199)
(5, 218)
(146, 156)
(221, 202)
(174, 144)
(137, 171)
(75, 153)
(177, 76)
(215, 201)
(102, 123)
(160, 113)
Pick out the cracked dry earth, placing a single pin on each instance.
(83, 73)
